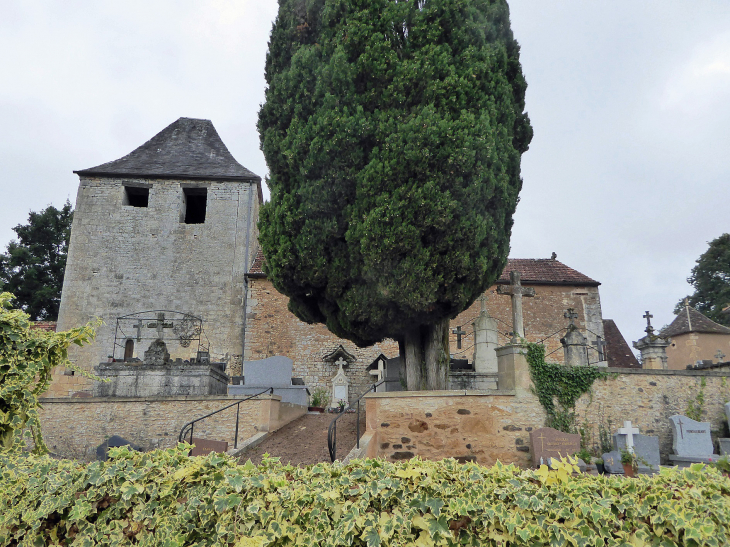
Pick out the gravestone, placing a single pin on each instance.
(725, 443)
(114, 441)
(394, 374)
(272, 372)
(612, 463)
(203, 447)
(646, 449)
(551, 443)
(340, 385)
(691, 442)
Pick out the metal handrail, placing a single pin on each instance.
(191, 425)
(332, 430)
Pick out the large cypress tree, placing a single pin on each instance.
(393, 132)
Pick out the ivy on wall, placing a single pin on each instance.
(558, 387)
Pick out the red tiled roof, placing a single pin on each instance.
(618, 352)
(532, 270)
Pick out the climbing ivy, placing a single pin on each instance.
(558, 387)
(695, 406)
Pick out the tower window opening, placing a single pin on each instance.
(195, 201)
(128, 349)
(136, 196)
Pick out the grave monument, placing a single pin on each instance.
(644, 447)
(271, 372)
(547, 443)
(691, 442)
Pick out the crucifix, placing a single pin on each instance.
(516, 291)
(139, 326)
(340, 363)
(571, 316)
(629, 432)
(649, 329)
(600, 346)
(719, 356)
(160, 325)
(459, 333)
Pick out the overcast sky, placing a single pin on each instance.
(626, 178)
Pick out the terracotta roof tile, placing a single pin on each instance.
(187, 148)
(618, 352)
(532, 271)
(690, 320)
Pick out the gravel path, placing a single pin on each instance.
(304, 441)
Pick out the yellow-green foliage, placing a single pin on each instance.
(164, 498)
(27, 358)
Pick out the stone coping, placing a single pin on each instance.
(228, 398)
(661, 372)
(443, 393)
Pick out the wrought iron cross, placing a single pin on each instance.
(571, 316)
(600, 346)
(160, 325)
(719, 356)
(139, 326)
(459, 333)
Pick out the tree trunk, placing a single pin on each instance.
(426, 352)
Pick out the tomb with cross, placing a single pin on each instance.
(516, 291)
(160, 325)
(653, 347)
(575, 348)
(719, 356)
(485, 341)
(629, 432)
(340, 382)
(649, 329)
(459, 333)
(600, 345)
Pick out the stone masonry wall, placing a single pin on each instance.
(74, 427)
(491, 427)
(686, 349)
(125, 259)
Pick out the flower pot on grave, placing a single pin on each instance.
(319, 409)
(628, 470)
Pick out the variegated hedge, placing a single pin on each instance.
(164, 498)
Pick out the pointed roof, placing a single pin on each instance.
(690, 320)
(188, 148)
(618, 352)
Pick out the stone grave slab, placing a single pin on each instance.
(691, 442)
(551, 443)
(724, 446)
(612, 463)
(646, 449)
(203, 447)
(270, 372)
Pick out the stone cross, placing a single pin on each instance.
(649, 329)
(600, 346)
(483, 303)
(571, 316)
(516, 291)
(719, 356)
(160, 325)
(459, 333)
(139, 326)
(629, 432)
(340, 362)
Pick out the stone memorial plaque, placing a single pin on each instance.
(551, 443)
(691, 438)
(341, 392)
(646, 449)
(271, 372)
(203, 447)
(612, 463)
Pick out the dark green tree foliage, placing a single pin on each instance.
(393, 132)
(711, 280)
(32, 267)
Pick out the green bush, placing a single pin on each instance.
(165, 498)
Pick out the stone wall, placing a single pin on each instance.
(74, 427)
(125, 259)
(686, 349)
(485, 427)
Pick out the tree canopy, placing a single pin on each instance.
(711, 280)
(33, 266)
(393, 133)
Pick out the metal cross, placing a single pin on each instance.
(516, 291)
(160, 325)
(649, 329)
(719, 356)
(600, 346)
(571, 316)
(459, 333)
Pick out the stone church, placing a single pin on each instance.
(164, 244)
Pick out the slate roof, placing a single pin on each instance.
(618, 352)
(534, 271)
(690, 320)
(188, 148)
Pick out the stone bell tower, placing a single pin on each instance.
(170, 226)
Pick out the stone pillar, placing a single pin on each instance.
(485, 343)
(513, 371)
(653, 352)
(574, 348)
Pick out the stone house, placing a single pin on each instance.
(171, 227)
(693, 337)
